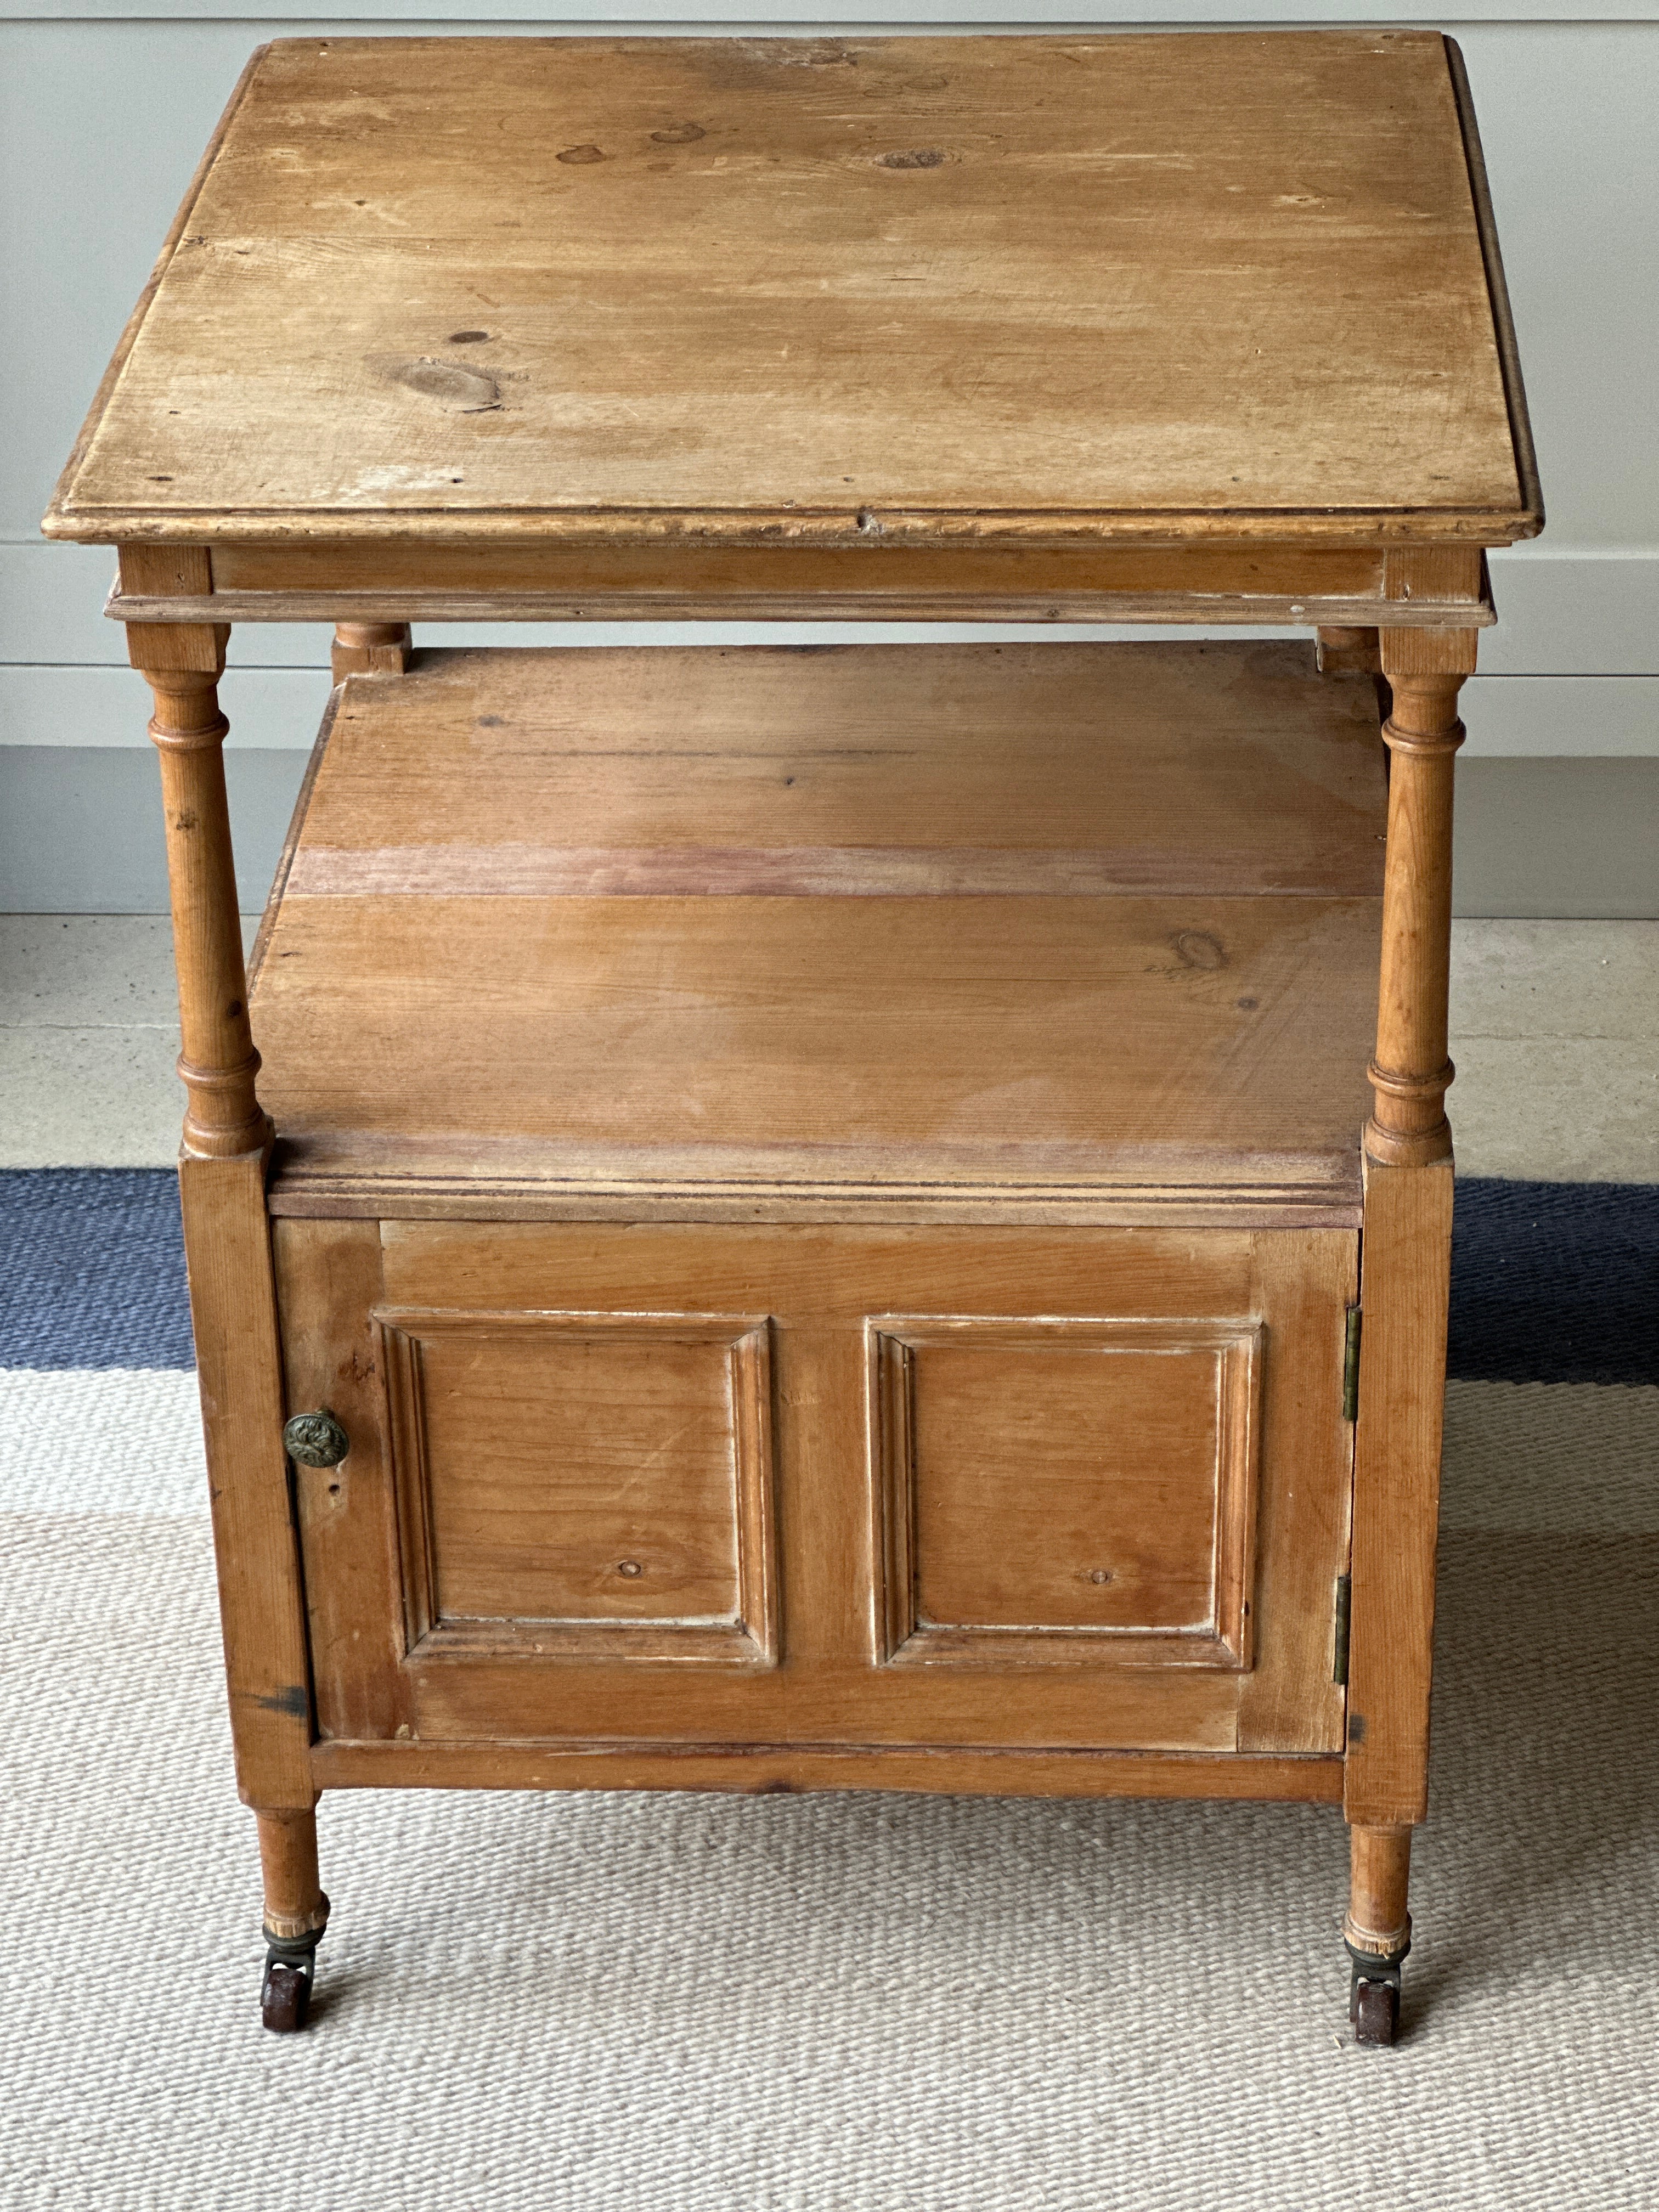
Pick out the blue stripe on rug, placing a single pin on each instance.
(94, 1270)
(1555, 1282)
(1552, 1282)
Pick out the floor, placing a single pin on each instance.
(831, 2004)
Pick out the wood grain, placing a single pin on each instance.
(294, 1903)
(771, 1769)
(1065, 1491)
(239, 1366)
(373, 582)
(1110, 926)
(1410, 1071)
(1120, 287)
(590, 1486)
(1396, 1490)
(328, 1284)
(218, 1063)
(825, 1291)
(1379, 1882)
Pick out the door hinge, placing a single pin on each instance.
(1339, 1652)
(1350, 1367)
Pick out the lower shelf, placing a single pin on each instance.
(990, 933)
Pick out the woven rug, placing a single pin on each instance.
(838, 2004)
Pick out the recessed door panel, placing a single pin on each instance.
(589, 1484)
(1065, 1491)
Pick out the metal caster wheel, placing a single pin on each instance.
(285, 1993)
(1374, 2010)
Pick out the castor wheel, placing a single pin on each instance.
(1374, 2010)
(284, 1996)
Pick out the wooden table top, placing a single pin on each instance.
(1042, 290)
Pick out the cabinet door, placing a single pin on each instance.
(696, 1485)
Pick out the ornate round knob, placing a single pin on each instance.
(315, 1439)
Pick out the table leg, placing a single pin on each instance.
(296, 1913)
(226, 1140)
(1405, 1259)
(370, 649)
(1349, 653)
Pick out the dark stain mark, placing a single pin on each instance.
(232, 1010)
(161, 480)
(680, 134)
(293, 1701)
(334, 1490)
(184, 821)
(360, 204)
(1196, 948)
(579, 157)
(492, 721)
(1356, 1728)
(1247, 1005)
(468, 390)
(917, 157)
(468, 337)
(777, 1787)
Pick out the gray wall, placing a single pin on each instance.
(104, 110)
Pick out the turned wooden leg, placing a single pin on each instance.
(182, 663)
(1378, 1928)
(1349, 653)
(1405, 1277)
(232, 1299)
(296, 1913)
(370, 649)
(1411, 1072)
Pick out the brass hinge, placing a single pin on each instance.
(1339, 1653)
(1350, 1367)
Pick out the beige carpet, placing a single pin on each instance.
(843, 2003)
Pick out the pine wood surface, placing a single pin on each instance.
(1146, 286)
(382, 585)
(1396, 1490)
(239, 1362)
(1050, 926)
(526, 1653)
(769, 1769)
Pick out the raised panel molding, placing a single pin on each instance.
(617, 1468)
(984, 1562)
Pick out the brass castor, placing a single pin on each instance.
(285, 1992)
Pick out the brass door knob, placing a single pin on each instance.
(315, 1439)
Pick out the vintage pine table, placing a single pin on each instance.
(808, 1213)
